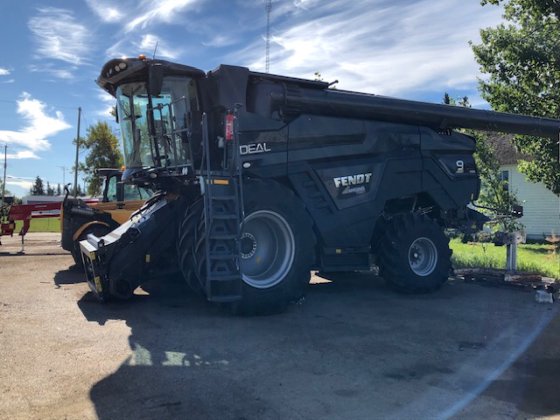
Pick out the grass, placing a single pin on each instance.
(532, 258)
(50, 224)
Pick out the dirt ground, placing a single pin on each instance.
(352, 350)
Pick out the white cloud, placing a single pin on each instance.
(304, 4)
(59, 36)
(39, 126)
(155, 11)
(105, 112)
(18, 183)
(148, 44)
(23, 154)
(106, 11)
(8, 81)
(376, 46)
(221, 41)
(66, 73)
(105, 97)
(108, 105)
(4, 71)
(116, 50)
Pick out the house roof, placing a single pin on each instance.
(505, 150)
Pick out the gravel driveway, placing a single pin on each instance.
(352, 350)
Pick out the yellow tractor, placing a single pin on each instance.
(79, 217)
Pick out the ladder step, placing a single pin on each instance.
(221, 236)
(224, 216)
(223, 280)
(223, 255)
(222, 197)
(224, 277)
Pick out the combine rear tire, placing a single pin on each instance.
(277, 249)
(414, 256)
(185, 246)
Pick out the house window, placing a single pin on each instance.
(504, 176)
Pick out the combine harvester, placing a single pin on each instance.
(262, 178)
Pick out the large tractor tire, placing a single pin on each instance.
(414, 255)
(186, 241)
(277, 249)
(98, 230)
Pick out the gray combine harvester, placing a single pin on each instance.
(262, 178)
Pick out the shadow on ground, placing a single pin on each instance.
(353, 349)
(71, 275)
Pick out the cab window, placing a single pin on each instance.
(111, 189)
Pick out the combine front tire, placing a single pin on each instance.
(185, 246)
(277, 249)
(414, 255)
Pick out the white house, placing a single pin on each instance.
(541, 208)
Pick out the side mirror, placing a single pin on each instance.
(120, 192)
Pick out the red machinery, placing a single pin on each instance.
(9, 214)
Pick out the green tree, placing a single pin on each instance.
(50, 190)
(38, 187)
(522, 61)
(6, 192)
(58, 189)
(103, 152)
(79, 193)
(495, 193)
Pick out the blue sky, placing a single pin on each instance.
(53, 51)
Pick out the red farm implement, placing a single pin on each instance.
(25, 212)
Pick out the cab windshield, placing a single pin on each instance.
(156, 130)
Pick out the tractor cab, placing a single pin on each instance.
(158, 111)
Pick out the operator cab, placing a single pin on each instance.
(115, 191)
(159, 115)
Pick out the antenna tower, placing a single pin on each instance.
(268, 8)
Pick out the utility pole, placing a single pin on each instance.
(268, 8)
(5, 167)
(77, 154)
(63, 175)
